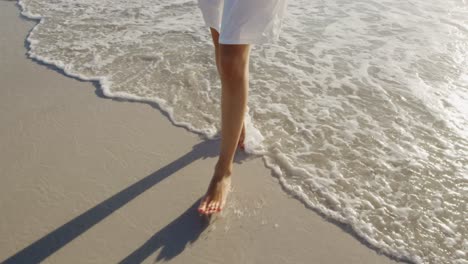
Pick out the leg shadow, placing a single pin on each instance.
(173, 238)
(55, 240)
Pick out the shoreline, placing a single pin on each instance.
(91, 180)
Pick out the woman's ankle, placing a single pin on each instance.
(223, 170)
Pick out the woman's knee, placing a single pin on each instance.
(233, 61)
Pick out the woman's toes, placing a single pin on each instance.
(201, 208)
(215, 207)
(211, 207)
(203, 205)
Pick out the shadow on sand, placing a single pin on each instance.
(172, 239)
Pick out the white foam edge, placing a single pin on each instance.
(298, 194)
(253, 139)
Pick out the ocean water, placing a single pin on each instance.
(360, 108)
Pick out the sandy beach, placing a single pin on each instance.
(88, 179)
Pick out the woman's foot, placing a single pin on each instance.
(240, 144)
(215, 197)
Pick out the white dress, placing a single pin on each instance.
(244, 21)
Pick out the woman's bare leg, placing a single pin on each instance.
(233, 67)
(215, 37)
